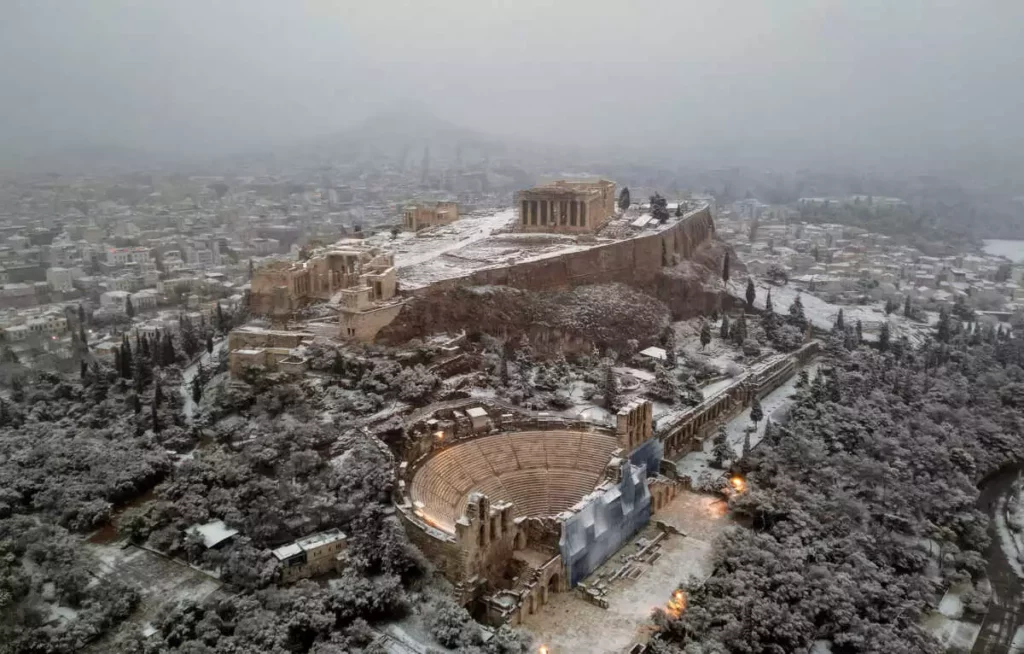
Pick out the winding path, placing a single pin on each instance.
(189, 373)
(1002, 630)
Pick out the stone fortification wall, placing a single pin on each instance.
(632, 261)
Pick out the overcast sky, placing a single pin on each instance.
(765, 78)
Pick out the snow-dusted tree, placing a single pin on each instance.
(705, 334)
(503, 367)
(659, 208)
(129, 308)
(664, 387)
(610, 389)
(745, 452)
(796, 314)
(751, 292)
(725, 268)
(721, 451)
(943, 328)
(884, 336)
(624, 199)
(724, 330)
(908, 308)
(756, 412)
(155, 407)
(840, 324)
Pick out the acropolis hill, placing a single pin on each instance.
(570, 235)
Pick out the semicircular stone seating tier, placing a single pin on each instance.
(541, 472)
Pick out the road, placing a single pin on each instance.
(1005, 617)
(219, 346)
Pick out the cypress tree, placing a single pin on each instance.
(705, 334)
(756, 412)
(724, 332)
(197, 389)
(751, 292)
(725, 268)
(157, 398)
(610, 389)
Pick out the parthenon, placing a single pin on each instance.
(566, 207)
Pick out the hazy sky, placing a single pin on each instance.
(766, 78)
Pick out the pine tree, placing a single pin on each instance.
(724, 332)
(136, 404)
(768, 307)
(125, 360)
(745, 452)
(908, 309)
(251, 269)
(859, 331)
(129, 308)
(624, 200)
(840, 324)
(884, 337)
(144, 351)
(890, 306)
(610, 389)
(83, 370)
(751, 292)
(679, 210)
(705, 334)
(81, 315)
(209, 344)
(756, 412)
(725, 268)
(219, 316)
(82, 337)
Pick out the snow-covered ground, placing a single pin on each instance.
(947, 623)
(1009, 525)
(417, 249)
(774, 405)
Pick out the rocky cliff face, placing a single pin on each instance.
(694, 287)
(605, 315)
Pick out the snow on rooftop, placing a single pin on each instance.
(476, 412)
(655, 353)
(213, 533)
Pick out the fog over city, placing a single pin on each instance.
(793, 81)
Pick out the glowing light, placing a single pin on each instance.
(677, 604)
(439, 435)
(739, 484)
(544, 650)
